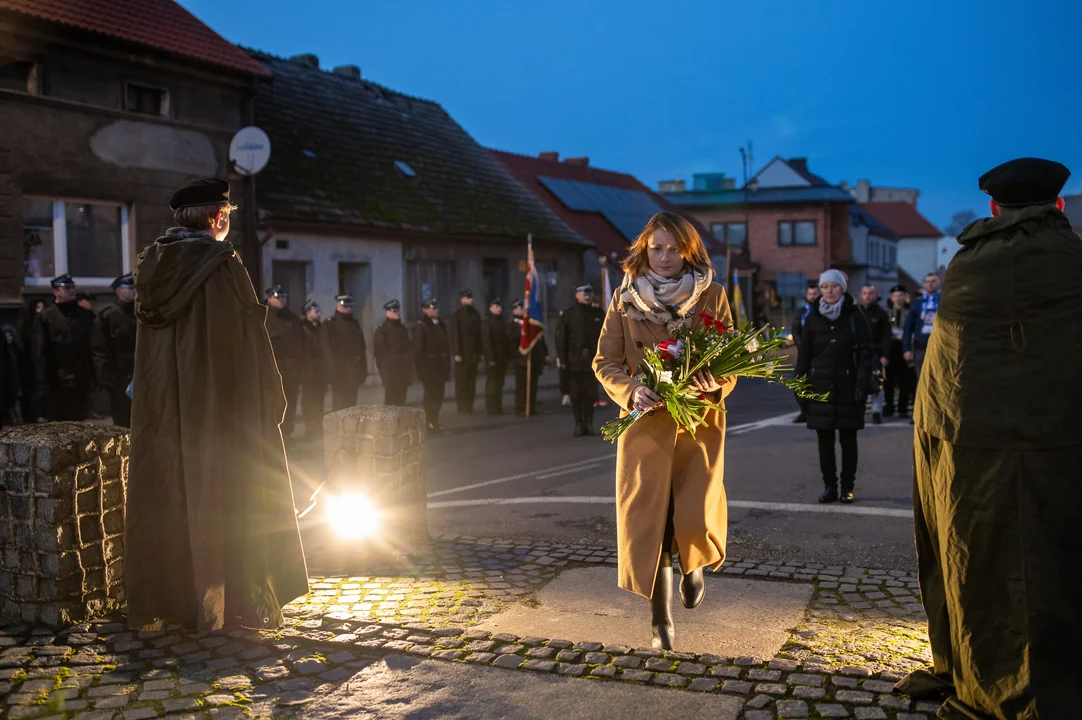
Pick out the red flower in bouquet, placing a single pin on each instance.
(669, 349)
(711, 321)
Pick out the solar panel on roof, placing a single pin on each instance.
(588, 197)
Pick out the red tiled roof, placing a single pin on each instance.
(902, 218)
(160, 24)
(528, 169)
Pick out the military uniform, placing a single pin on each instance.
(534, 362)
(393, 360)
(900, 377)
(287, 339)
(576, 345)
(431, 350)
(113, 348)
(465, 335)
(63, 364)
(349, 355)
(997, 452)
(314, 375)
(497, 348)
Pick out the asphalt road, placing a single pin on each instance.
(530, 480)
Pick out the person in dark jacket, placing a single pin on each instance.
(113, 346)
(997, 452)
(811, 299)
(465, 334)
(392, 350)
(431, 349)
(63, 363)
(314, 375)
(576, 345)
(900, 379)
(879, 329)
(497, 349)
(348, 368)
(836, 355)
(919, 323)
(534, 362)
(11, 380)
(287, 338)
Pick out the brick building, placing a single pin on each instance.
(787, 221)
(385, 196)
(107, 106)
(608, 208)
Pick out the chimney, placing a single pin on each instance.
(554, 156)
(350, 71)
(308, 60)
(799, 164)
(864, 191)
(670, 187)
(580, 161)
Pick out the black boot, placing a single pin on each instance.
(661, 621)
(847, 492)
(580, 429)
(692, 589)
(831, 493)
(589, 424)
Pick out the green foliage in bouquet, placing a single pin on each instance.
(669, 369)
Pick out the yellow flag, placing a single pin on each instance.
(739, 315)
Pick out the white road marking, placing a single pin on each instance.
(568, 471)
(785, 419)
(520, 476)
(746, 504)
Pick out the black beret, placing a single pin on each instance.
(495, 301)
(62, 281)
(467, 293)
(277, 291)
(516, 305)
(898, 288)
(123, 281)
(430, 303)
(86, 296)
(209, 191)
(392, 305)
(1025, 181)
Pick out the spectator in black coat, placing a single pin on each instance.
(878, 321)
(836, 355)
(811, 299)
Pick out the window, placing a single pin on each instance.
(18, 75)
(146, 100)
(893, 258)
(429, 279)
(733, 233)
(791, 288)
(89, 240)
(800, 232)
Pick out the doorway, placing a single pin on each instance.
(356, 279)
(496, 274)
(293, 276)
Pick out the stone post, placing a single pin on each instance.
(379, 450)
(62, 522)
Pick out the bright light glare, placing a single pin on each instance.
(352, 516)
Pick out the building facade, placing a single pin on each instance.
(102, 120)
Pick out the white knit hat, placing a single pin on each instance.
(835, 276)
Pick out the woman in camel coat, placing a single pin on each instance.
(669, 490)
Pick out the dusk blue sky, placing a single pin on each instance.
(925, 94)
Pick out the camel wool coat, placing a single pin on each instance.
(655, 456)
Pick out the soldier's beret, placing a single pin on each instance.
(277, 291)
(64, 280)
(898, 288)
(585, 288)
(310, 305)
(86, 296)
(430, 303)
(345, 299)
(516, 305)
(1025, 181)
(209, 191)
(495, 301)
(466, 293)
(392, 305)
(124, 281)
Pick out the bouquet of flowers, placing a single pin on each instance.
(669, 368)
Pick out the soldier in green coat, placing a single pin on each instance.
(998, 456)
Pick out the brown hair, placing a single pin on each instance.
(688, 244)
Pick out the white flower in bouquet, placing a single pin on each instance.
(665, 377)
(753, 345)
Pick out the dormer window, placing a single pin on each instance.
(404, 169)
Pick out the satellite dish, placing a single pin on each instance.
(250, 150)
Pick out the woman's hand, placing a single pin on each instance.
(705, 383)
(644, 399)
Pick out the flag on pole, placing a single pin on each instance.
(739, 314)
(533, 326)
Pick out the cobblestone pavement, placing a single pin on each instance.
(864, 630)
